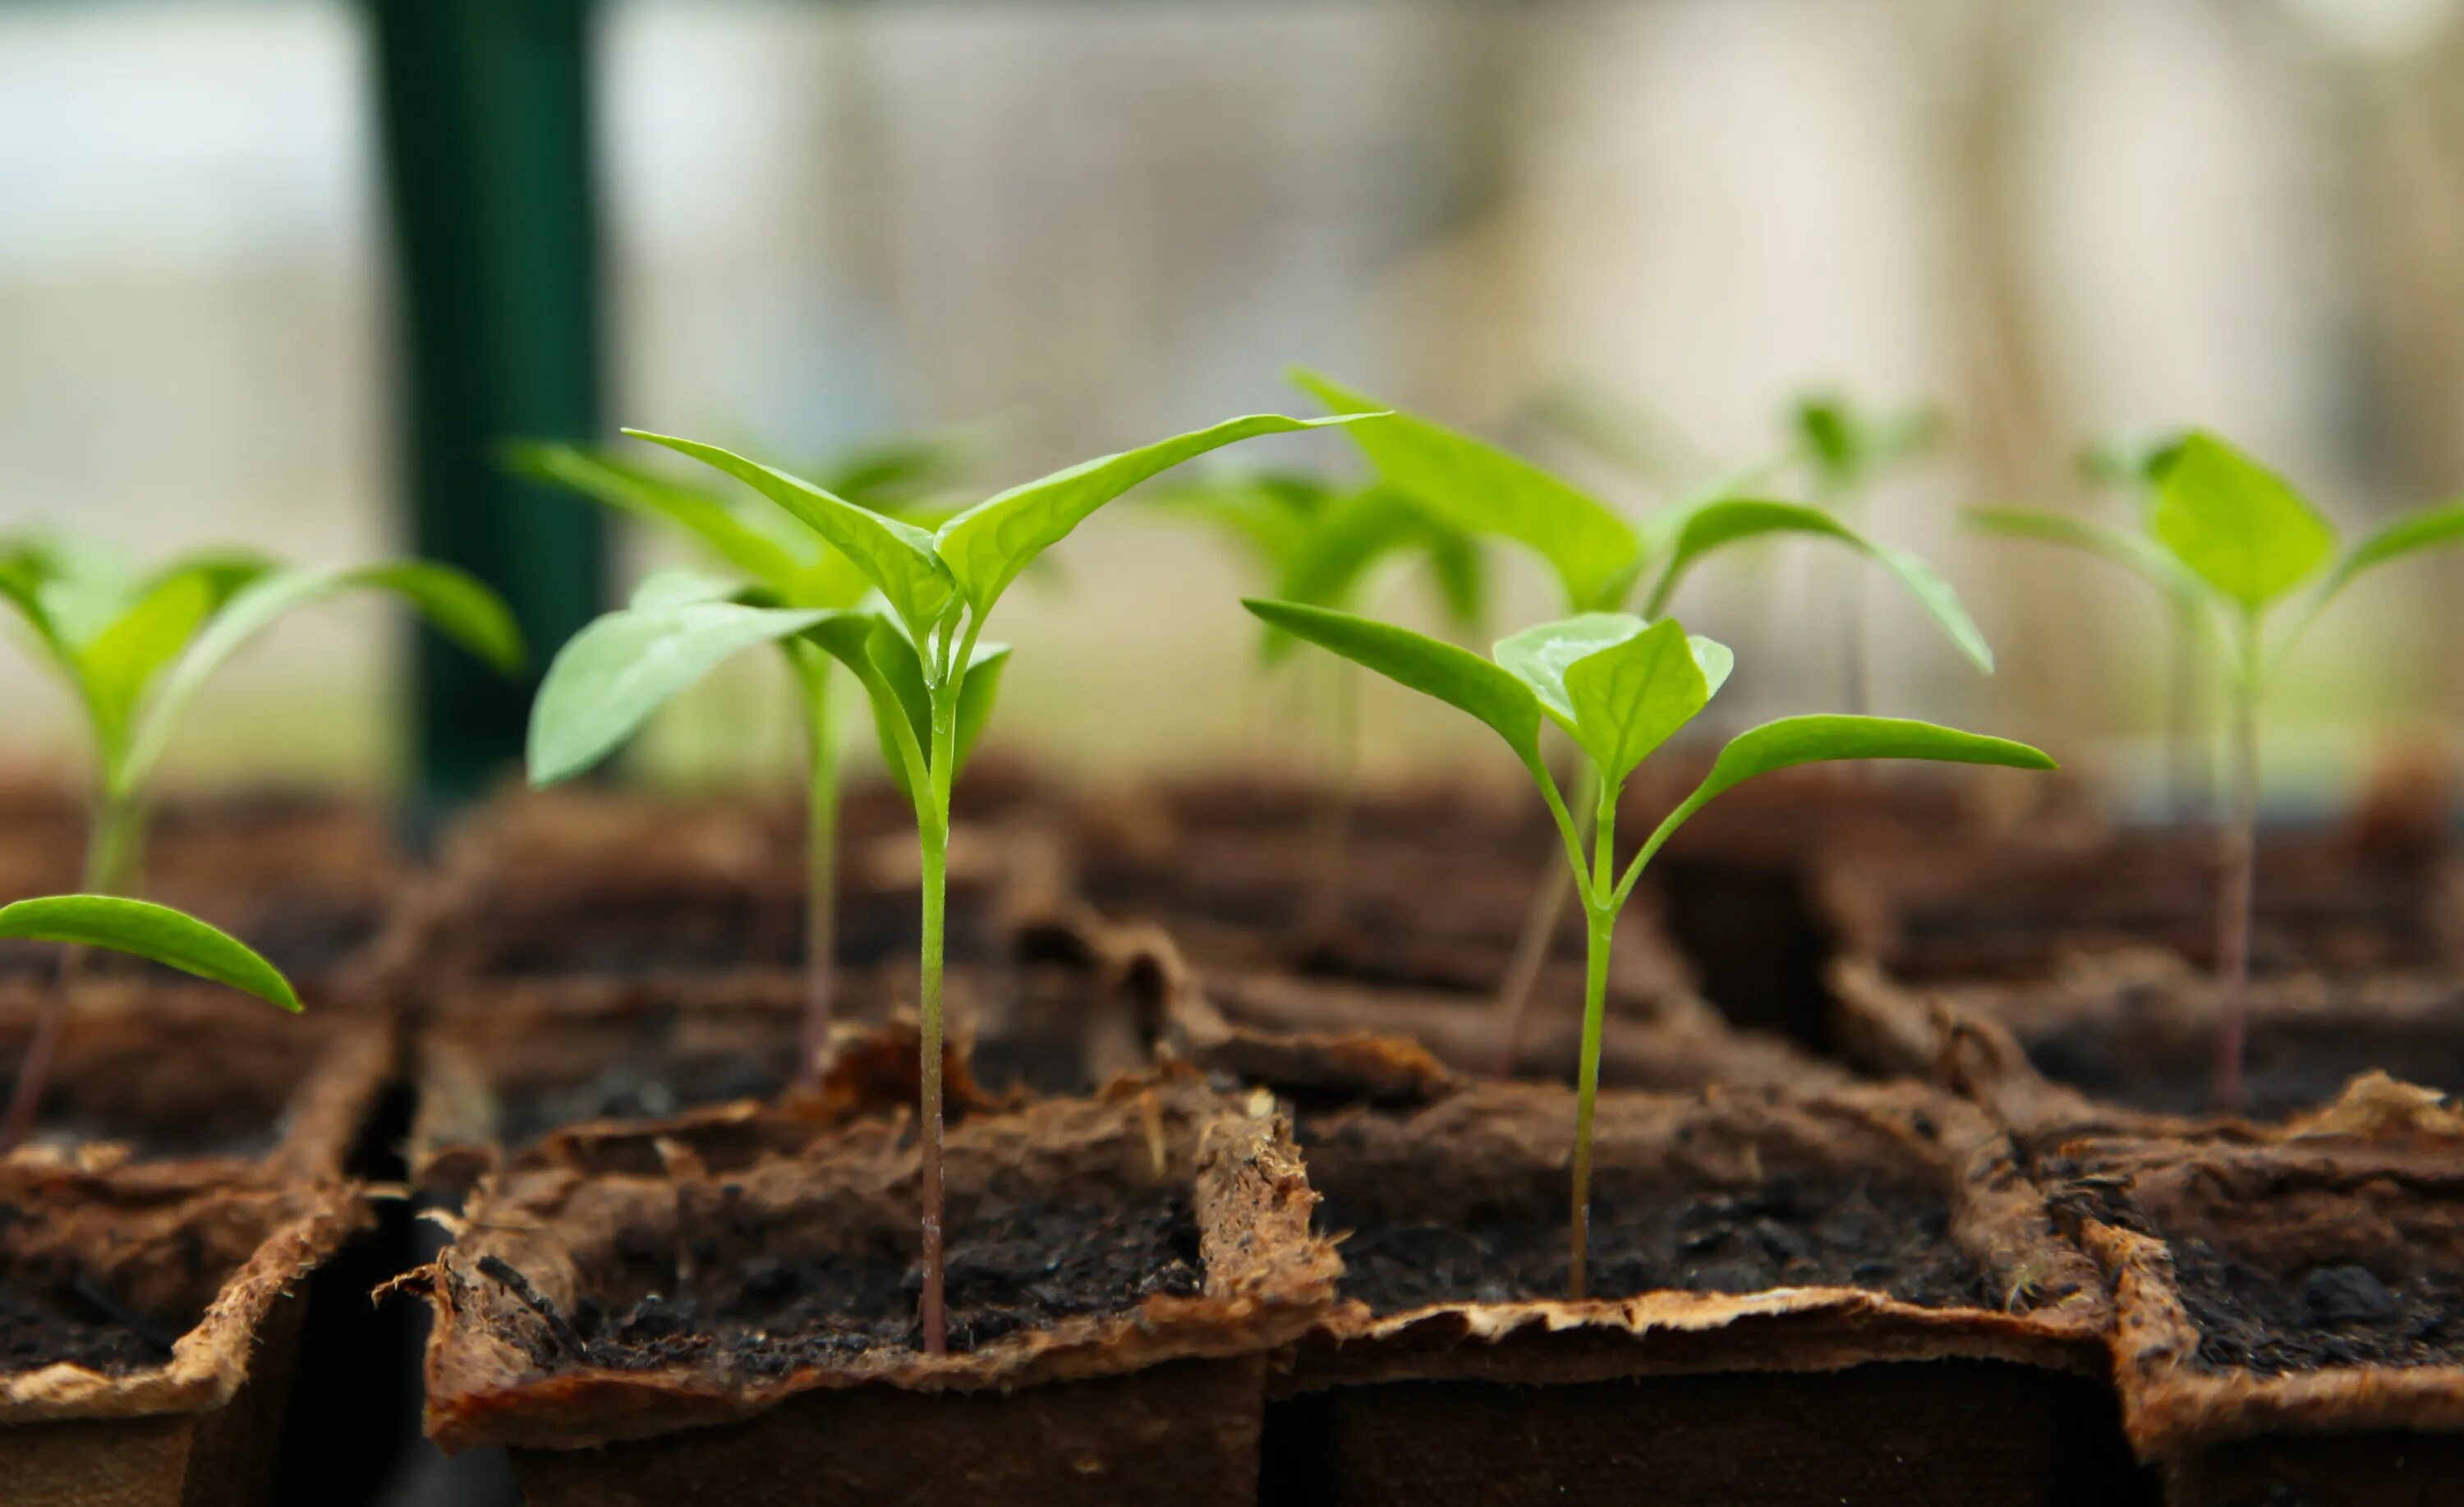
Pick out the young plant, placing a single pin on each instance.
(140, 929)
(775, 563)
(1601, 562)
(137, 647)
(1846, 448)
(2233, 539)
(1319, 542)
(923, 662)
(1620, 686)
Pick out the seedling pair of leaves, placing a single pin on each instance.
(1620, 686)
(919, 654)
(2229, 542)
(136, 649)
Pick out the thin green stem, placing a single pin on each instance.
(2240, 868)
(946, 679)
(1540, 925)
(1602, 917)
(820, 873)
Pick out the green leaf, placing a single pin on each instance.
(21, 589)
(2134, 551)
(1849, 448)
(610, 677)
(645, 494)
(1480, 489)
(987, 546)
(2237, 524)
(1429, 666)
(897, 557)
(1632, 696)
(459, 604)
(2411, 534)
(900, 674)
(147, 930)
(1715, 525)
(679, 585)
(119, 666)
(1540, 655)
(1827, 738)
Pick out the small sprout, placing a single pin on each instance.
(923, 663)
(140, 929)
(1621, 687)
(2229, 540)
(137, 648)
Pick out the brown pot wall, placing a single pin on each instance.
(867, 1421)
(1807, 1393)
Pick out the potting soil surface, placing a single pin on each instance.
(641, 1088)
(2283, 1071)
(1788, 1231)
(2340, 1314)
(1010, 1266)
(81, 1323)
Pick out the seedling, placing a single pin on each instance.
(1845, 449)
(1620, 686)
(140, 929)
(923, 662)
(1601, 561)
(2233, 539)
(1319, 542)
(137, 648)
(775, 563)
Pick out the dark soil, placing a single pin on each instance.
(2285, 1071)
(625, 937)
(83, 1322)
(1789, 1231)
(1012, 1266)
(639, 1088)
(2252, 1319)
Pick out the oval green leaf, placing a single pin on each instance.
(148, 930)
(987, 546)
(1825, 738)
(1632, 696)
(1479, 489)
(1540, 655)
(610, 677)
(2238, 525)
(1428, 666)
(2134, 551)
(2409, 534)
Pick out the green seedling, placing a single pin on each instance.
(1620, 686)
(1320, 542)
(140, 929)
(137, 647)
(920, 657)
(774, 562)
(1845, 450)
(1604, 562)
(2234, 542)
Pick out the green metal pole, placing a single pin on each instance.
(485, 109)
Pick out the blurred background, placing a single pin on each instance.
(279, 272)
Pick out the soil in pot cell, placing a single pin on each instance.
(1765, 1268)
(617, 1331)
(2292, 1318)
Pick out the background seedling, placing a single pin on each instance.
(778, 569)
(923, 662)
(2233, 539)
(1620, 686)
(136, 648)
(1845, 449)
(1601, 561)
(140, 929)
(1321, 542)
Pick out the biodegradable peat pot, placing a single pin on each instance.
(1845, 1297)
(495, 1086)
(2125, 1042)
(148, 1325)
(2291, 1317)
(153, 1071)
(1119, 1267)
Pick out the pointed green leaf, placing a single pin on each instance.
(456, 603)
(1428, 666)
(897, 557)
(1540, 655)
(2411, 534)
(610, 677)
(619, 484)
(21, 589)
(151, 931)
(1480, 489)
(1728, 520)
(1826, 738)
(987, 546)
(1632, 696)
(2237, 524)
(679, 585)
(121, 661)
(2137, 552)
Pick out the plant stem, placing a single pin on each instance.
(109, 846)
(1852, 638)
(2185, 780)
(1539, 934)
(931, 1314)
(820, 877)
(1602, 911)
(2240, 853)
